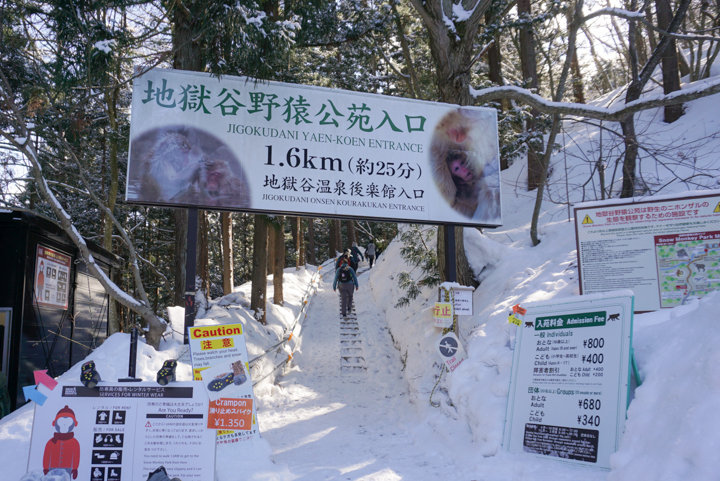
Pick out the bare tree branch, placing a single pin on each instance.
(695, 91)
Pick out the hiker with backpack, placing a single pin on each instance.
(345, 278)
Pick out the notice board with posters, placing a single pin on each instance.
(123, 432)
(666, 249)
(259, 146)
(570, 378)
(52, 278)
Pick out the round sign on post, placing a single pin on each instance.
(451, 351)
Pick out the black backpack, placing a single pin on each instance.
(345, 275)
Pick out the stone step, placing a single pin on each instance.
(353, 360)
(352, 369)
(351, 351)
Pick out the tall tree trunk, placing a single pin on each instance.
(299, 243)
(648, 31)
(631, 151)
(528, 64)
(670, 68)
(270, 265)
(111, 102)
(640, 43)
(258, 289)
(278, 232)
(494, 57)
(332, 238)
(494, 60)
(311, 242)
(350, 228)
(203, 255)
(188, 55)
(634, 90)
(227, 252)
(337, 225)
(181, 226)
(411, 78)
(577, 81)
(335, 238)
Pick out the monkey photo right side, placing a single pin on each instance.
(467, 182)
(462, 157)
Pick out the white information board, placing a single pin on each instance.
(664, 249)
(123, 432)
(570, 377)
(462, 300)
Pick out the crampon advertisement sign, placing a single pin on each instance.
(232, 143)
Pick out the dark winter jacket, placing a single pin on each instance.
(356, 254)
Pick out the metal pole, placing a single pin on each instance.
(132, 361)
(190, 270)
(450, 252)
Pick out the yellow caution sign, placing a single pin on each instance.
(513, 319)
(717, 209)
(587, 219)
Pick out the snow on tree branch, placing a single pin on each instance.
(640, 17)
(694, 91)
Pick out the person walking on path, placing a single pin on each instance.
(346, 278)
(355, 256)
(370, 253)
(344, 258)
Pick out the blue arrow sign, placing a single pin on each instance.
(32, 394)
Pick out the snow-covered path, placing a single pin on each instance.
(326, 424)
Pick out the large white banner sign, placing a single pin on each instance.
(665, 249)
(570, 376)
(233, 143)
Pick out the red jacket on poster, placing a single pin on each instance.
(62, 451)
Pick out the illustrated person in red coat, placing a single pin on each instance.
(62, 451)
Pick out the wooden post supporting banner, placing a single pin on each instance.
(450, 264)
(190, 268)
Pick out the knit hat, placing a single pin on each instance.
(65, 412)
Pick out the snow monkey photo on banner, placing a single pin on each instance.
(464, 160)
(185, 165)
